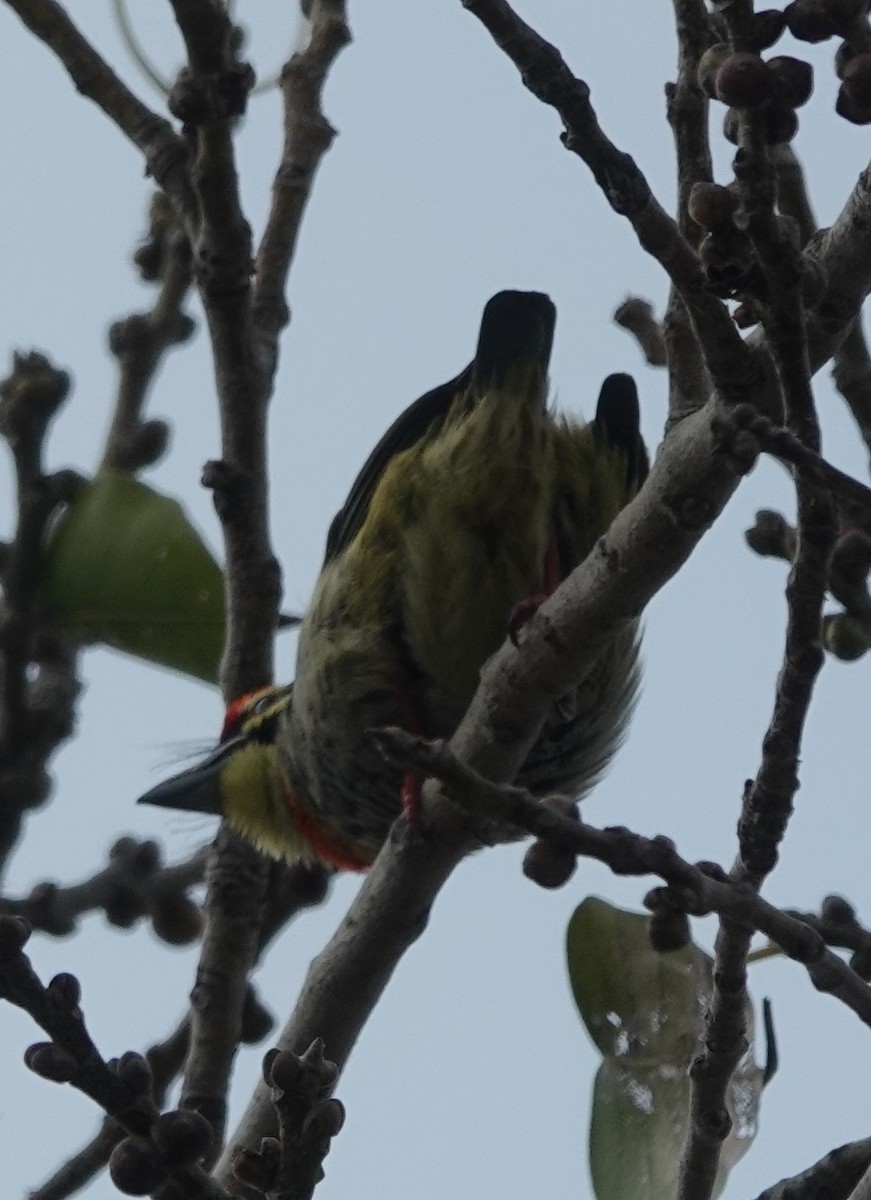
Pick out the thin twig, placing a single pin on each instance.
(687, 109)
(164, 152)
(132, 885)
(708, 889)
(731, 366)
(291, 890)
(636, 316)
(36, 710)
(811, 466)
(140, 341)
(852, 366)
(768, 799)
(307, 137)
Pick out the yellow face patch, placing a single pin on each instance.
(254, 802)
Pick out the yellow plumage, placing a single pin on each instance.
(476, 500)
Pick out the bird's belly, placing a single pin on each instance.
(332, 759)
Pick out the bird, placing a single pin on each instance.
(472, 508)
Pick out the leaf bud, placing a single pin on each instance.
(743, 81)
(848, 108)
(766, 27)
(711, 205)
(810, 21)
(182, 1136)
(844, 54)
(845, 13)
(857, 79)
(136, 1167)
(14, 932)
(781, 125)
(256, 1169)
(793, 80)
(709, 64)
(668, 930)
(844, 637)
(134, 1071)
(325, 1119)
(257, 1020)
(50, 1061)
(838, 911)
(549, 866)
(732, 125)
(176, 920)
(65, 990)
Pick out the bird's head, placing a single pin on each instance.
(242, 779)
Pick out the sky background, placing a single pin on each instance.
(447, 183)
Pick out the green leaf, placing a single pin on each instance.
(123, 565)
(645, 1012)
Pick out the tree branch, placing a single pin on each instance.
(307, 137)
(140, 341)
(647, 543)
(164, 152)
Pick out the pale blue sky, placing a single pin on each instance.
(446, 184)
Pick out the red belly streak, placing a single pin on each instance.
(328, 850)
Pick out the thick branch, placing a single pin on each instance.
(834, 1176)
(647, 543)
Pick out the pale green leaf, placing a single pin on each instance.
(123, 565)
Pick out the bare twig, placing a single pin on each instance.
(164, 152)
(852, 369)
(291, 890)
(36, 713)
(767, 803)
(309, 1117)
(165, 1060)
(307, 137)
(140, 341)
(811, 466)
(688, 383)
(636, 316)
(132, 885)
(706, 887)
(122, 1089)
(236, 878)
(730, 364)
(688, 109)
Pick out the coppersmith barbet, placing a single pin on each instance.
(476, 500)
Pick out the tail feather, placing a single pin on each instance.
(618, 419)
